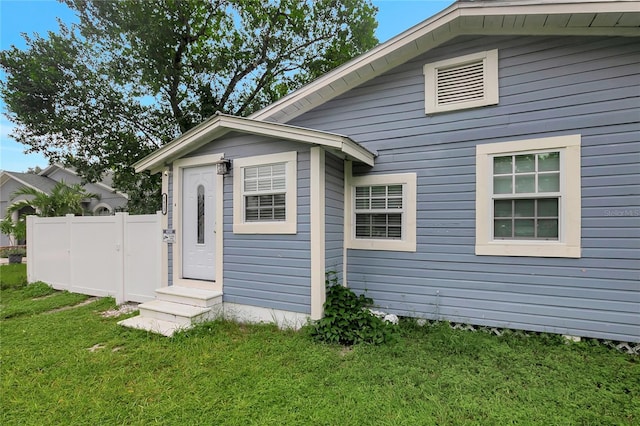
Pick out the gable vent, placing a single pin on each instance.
(460, 84)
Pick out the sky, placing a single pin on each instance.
(40, 16)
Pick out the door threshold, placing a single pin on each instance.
(201, 284)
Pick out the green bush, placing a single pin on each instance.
(347, 319)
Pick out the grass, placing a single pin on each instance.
(231, 374)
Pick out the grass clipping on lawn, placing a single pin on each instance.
(78, 367)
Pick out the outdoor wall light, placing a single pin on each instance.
(223, 166)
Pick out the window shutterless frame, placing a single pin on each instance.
(491, 209)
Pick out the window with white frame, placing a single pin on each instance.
(265, 194)
(528, 198)
(383, 212)
(464, 82)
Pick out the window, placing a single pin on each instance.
(379, 211)
(383, 212)
(465, 82)
(264, 199)
(265, 189)
(528, 198)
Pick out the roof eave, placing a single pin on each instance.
(221, 124)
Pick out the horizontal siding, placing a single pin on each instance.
(334, 214)
(268, 271)
(549, 86)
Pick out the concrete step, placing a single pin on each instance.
(166, 328)
(184, 315)
(190, 296)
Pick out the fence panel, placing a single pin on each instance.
(142, 261)
(117, 256)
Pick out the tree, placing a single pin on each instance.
(63, 199)
(134, 75)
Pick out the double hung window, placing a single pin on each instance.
(264, 199)
(382, 212)
(528, 198)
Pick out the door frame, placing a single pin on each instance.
(178, 168)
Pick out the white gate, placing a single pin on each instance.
(119, 256)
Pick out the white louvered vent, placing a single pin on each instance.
(459, 83)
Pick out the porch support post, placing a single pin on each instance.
(317, 171)
(164, 264)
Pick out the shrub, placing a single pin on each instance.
(347, 319)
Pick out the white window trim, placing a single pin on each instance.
(491, 91)
(568, 243)
(408, 241)
(289, 226)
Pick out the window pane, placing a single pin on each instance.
(266, 200)
(264, 171)
(278, 169)
(524, 228)
(394, 203)
(250, 185)
(250, 173)
(362, 191)
(279, 183)
(525, 184)
(200, 221)
(363, 231)
(279, 199)
(379, 231)
(394, 190)
(502, 165)
(524, 208)
(548, 228)
(502, 208)
(525, 163)
(549, 161)
(363, 219)
(251, 215)
(394, 219)
(378, 203)
(395, 232)
(362, 203)
(548, 207)
(502, 185)
(252, 201)
(502, 228)
(279, 213)
(549, 182)
(378, 191)
(379, 219)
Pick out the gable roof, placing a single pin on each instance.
(221, 124)
(105, 183)
(501, 17)
(30, 180)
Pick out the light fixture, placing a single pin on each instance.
(223, 166)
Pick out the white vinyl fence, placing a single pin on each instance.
(119, 256)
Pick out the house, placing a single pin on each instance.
(108, 202)
(482, 167)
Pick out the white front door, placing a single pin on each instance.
(198, 223)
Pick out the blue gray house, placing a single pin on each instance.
(481, 167)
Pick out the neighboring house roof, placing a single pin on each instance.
(40, 183)
(107, 178)
(221, 124)
(523, 17)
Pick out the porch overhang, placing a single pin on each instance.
(221, 124)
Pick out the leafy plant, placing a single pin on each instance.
(347, 319)
(13, 251)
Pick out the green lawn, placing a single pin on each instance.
(225, 373)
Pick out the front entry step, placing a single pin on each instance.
(176, 308)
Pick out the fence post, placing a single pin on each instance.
(121, 237)
(68, 219)
(30, 251)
